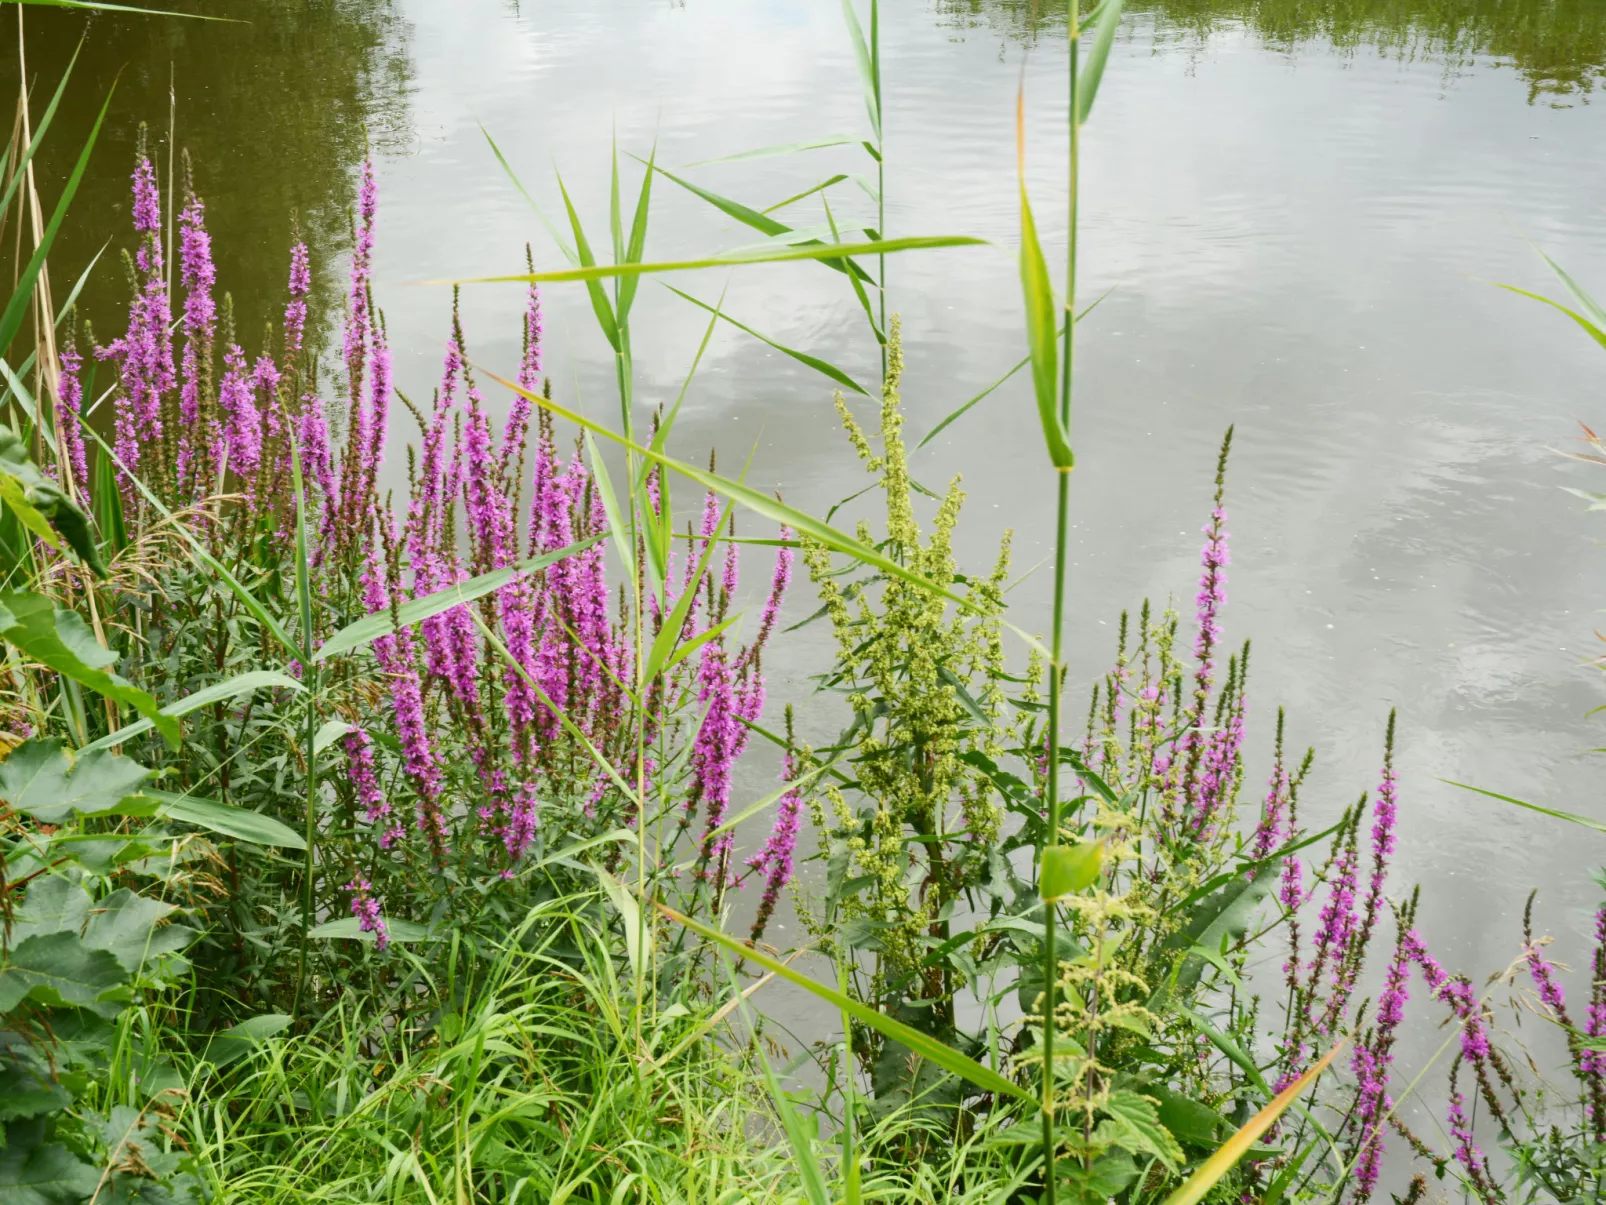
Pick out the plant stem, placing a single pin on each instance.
(1057, 667)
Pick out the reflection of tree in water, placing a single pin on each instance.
(1559, 46)
(274, 109)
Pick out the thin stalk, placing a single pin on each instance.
(1062, 525)
(880, 175)
(312, 669)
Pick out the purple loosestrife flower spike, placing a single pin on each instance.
(199, 276)
(364, 777)
(1371, 1064)
(70, 388)
(295, 313)
(1211, 599)
(774, 861)
(370, 917)
(242, 423)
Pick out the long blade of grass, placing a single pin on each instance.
(101, 5)
(229, 688)
(804, 195)
(22, 294)
(1570, 817)
(924, 1045)
(669, 635)
(557, 237)
(789, 148)
(638, 239)
(19, 173)
(1041, 321)
(1591, 306)
(750, 498)
(1227, 1155)
(755, 809)
(588, 262)
(820, 366)
(1022, 363)
(1594, 331)
(861, 55)
(355, 635)
(1087, 80)
(826, 251)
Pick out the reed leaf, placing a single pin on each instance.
(1042, 328)
(821, 366)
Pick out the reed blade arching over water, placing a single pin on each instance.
(390, 843)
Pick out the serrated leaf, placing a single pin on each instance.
(60, 640)
(1144, 1133)
(125, 925)
(45, 1174)
(58, 968)
(45, 781)
(53, 904)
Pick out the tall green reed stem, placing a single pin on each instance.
(1062, 523)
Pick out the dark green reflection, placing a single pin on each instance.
(274, 112)
(1559, 46)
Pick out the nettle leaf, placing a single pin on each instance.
(1140, 1128)
(124, 924)
(60, 640)
(34, 1172)
(59, 969)
(1189, 1121)
(49, 783)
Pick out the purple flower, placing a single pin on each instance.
(774, 861)
(199, 276)
(370, 918)
(1371, 1064)
(242, 423)
(295, 313)
(70, 391)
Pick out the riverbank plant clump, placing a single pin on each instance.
(371, 825)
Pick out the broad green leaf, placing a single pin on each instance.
(1139, 1117)
(125, 925)
(237, 1041)
(1069, 869)
(49, 783)
(926, 1047)
(41, 505)
(1570, 817)
(240, 823)
(239, 684)
(1220, 918)
(781, 255)
(60, 640)
(638, 938)
(1227, 1155)
(53, 904)
(1087, 80)
(58, 969)
(28, 1088)
(370, 627)
(814, 362)
(398, 930)
(1042, 324)
(44, 1174)
(329, 733)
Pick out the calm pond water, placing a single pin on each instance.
(1297, 211)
